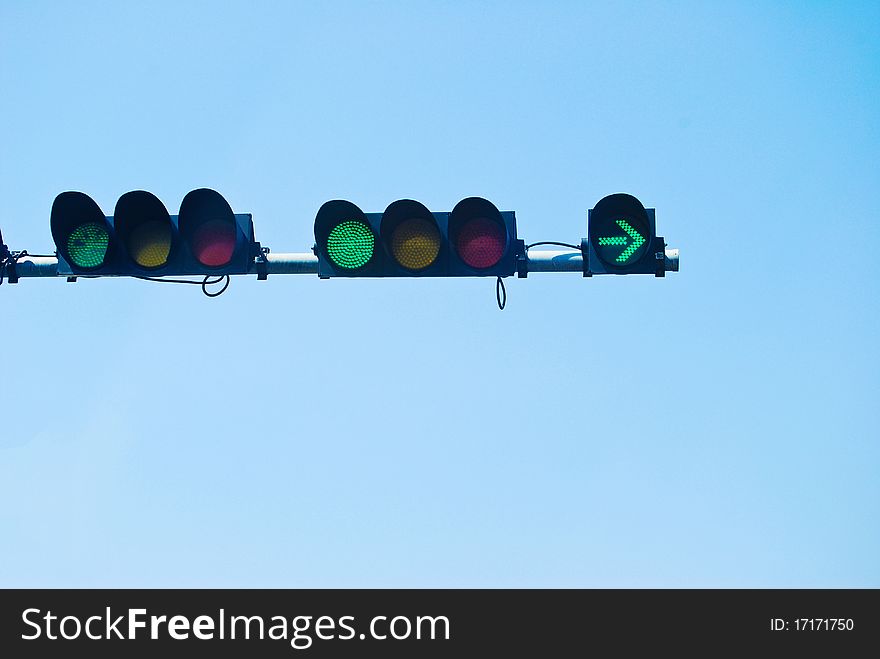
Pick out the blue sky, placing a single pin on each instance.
(718, 427)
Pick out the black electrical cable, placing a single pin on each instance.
(8, 259)
(550, 242)
(169, 281)
(207, 281)
(500, 293)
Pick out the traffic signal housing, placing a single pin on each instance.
(144, 230)
(83, 235)
(142, 239)
(622, 239)
(475, 239)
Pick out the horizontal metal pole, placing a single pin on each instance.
(551, 260)
(306, 263)
(538, 261)
(295, 263)
(37, 266)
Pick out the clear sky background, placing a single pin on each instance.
(719, 427)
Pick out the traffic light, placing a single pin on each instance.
(142, 239)
(408, 240)
(622, 239)
(144, 229)
(82, 234)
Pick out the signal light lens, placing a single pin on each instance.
(631, 237)
(150, 244)
(144, 227)
(350, 244)
(480, 242)
(621, 232)
(415, 243)
(213, 243)
(87, 245)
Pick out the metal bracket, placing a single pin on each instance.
(262, 263)
(7, 263)
(9, 260)
(660, 256)
(585, 256)
(522, 260)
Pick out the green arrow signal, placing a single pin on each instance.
(637, 241)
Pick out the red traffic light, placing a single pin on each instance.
(478, 233)
(208, 225)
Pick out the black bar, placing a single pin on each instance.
(518, 622)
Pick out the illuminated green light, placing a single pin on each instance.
(87, 245)
(350, 244)
(632, 244)
(637, 241)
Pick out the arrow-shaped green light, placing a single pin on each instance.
(613, 240)
(637, 241)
